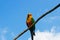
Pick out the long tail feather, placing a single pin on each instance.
(32, 36)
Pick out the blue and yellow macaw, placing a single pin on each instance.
(29, 22)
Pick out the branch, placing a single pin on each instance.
(37, 21)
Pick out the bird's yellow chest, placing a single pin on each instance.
(29, 22)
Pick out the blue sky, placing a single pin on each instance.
(13, 15)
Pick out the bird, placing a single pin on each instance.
(29, 21)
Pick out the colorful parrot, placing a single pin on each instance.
(29, 22)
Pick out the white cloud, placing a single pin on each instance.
(46, 35)
(53, 29)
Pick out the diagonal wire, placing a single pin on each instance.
(36, 21)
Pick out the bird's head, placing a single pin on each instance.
(29, 15)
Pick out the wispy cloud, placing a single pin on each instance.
(3, 37)
(12, 33)
(51, 19)
(46, 35)
(3, 33)
(54, 17)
